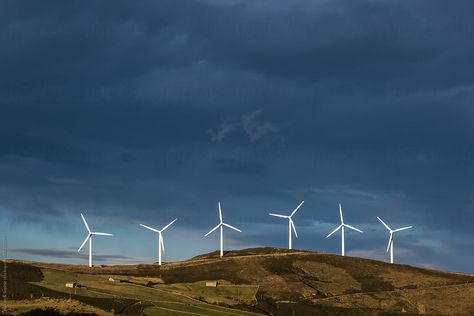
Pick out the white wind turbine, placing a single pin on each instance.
(342, 226)
(390, 239)
(221, 226)
(291, 225)
(161, 243)
(89, 238)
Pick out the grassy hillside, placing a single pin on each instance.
(260, 281)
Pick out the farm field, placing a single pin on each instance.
(259, 281)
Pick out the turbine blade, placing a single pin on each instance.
(148, 227)
(85, 240)
(334, 231)
(162, 242)
(390, 240)
(297, 208)
(386, 226)
(85, 223)
(403, 228)
(294, 228)
(278, 215)
(218, 225)
(169, 225)
(232, 227)
(220, 211)
(352, 227)
(340, 213)
(101, 234)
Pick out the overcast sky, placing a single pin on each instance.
(145, 112)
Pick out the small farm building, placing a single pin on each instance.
(212, 283)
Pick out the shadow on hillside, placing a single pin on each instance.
(52, 312)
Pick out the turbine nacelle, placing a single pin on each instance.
(161, 246)
(221, 225)
(341, 227)
(91, 233)
(392, 231)
(343, 224)
(291, 224)
(89, 239)
(158, 230)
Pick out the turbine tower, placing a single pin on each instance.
(342, 226)
(291, 225)
(390, 239)
(221, 226)
(89, 238)
(161, 243)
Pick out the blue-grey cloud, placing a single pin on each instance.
(161, 109)
(63, 254)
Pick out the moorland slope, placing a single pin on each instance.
(256, 281)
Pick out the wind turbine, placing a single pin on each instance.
(342, 226)
(291, 225)
(161, 243)
(221, 226)
(390, 239)
(89, 238)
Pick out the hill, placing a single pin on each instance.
(252, 281)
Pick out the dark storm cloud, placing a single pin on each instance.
(238, 167)
(18, 145)
(166, 107)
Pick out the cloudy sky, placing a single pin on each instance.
(143, 112)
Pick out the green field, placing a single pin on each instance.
(154, 300)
